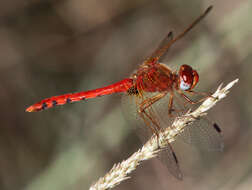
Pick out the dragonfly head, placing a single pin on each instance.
(188, 78)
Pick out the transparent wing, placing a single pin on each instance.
(130, 106)
(163, 47)
(170, 160)
(203, 134)
(169, 40)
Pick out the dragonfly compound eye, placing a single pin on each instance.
(188, 77)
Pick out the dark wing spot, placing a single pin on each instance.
(54, 102)
(175, 157)
(68, 100)
(44, 106)
(83, 98)
(170, 34)
(217, 128)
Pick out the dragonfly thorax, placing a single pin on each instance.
(155, 78)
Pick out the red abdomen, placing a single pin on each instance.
(121, 86)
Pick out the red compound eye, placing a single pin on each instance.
(188, 77)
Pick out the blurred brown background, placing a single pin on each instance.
(54, 47)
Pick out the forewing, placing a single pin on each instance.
(162, 49)
(168, 41)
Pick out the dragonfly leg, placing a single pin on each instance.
(205, 94)
(147, 123)
(187, 98)
(170, 106)
(148, 116)
(170, 109)
(150, 101)
(191, 101)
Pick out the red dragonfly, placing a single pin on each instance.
(151, 85)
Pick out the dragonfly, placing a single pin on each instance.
(155, 95)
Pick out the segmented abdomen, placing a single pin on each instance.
(121, 86)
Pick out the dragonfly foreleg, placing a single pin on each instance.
(205, 94)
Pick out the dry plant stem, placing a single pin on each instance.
(120, 171)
